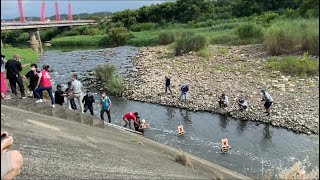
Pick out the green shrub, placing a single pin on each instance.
(166, 38)
(204, 53)
(119, 36)
(249, 31)
(143, 41)
(189, 42)
(109, 79)
(295, 66)
(70, 33)
(92, 31)
(293, 35)
(267, 17)
(224, 39)
(143, 27)
(23, 37)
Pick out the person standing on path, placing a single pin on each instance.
(58, 95)
(3, 79)
(44, 83)
(266, 97)
(168, 84)
(14, 68)
(105, 106)
(33, 77)
(88, 101)
(76, 89)
(72, 102)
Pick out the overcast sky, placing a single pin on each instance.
(9, 8)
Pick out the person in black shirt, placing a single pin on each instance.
(72, 102)
(14, 67)
(88, 101)
(58, 95)
(33, 77)
(168, 84)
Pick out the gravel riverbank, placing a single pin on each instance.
(238, 71)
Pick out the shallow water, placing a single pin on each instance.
(256, 148)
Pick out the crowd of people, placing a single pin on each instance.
(40, 81)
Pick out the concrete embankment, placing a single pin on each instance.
(57, 143)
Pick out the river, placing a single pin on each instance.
(256, 148)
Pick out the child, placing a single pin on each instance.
(58, 95)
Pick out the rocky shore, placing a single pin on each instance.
(237, 71)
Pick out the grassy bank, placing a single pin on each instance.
(28, 56)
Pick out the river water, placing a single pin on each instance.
(256, 148)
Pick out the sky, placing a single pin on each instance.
(9, 8)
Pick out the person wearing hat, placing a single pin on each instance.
(266, 97)
(223, 100)
(14, 68)
(58, 95)
(3, 79)
(131, 116)
(88, 101)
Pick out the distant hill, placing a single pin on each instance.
(93, 16)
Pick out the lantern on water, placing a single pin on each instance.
(181, 130)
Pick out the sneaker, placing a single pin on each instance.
(39, 101)
(23, 97)
(53, 105)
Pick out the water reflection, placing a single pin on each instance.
(241, 126)
(224, 121)
(266, 140)
(185, 116)
(170, 113)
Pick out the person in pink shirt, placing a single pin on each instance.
(44, 83)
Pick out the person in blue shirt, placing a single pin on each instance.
(184, 91)
(105, 106)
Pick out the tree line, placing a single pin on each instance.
(183, 11)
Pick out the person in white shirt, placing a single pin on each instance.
(243, 104)
(266, 97)
(223, 101)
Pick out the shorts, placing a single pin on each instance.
(6, 165)
(267, 104)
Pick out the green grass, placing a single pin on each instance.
(206, 53)
(295, 66)
(28, 56)
(286, 36)
(81, 40)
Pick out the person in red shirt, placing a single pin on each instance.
(131, 116)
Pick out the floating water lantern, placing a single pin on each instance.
(181, 130)
(225, 145)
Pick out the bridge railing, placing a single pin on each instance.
(18, 23)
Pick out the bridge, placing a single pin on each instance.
(40, 24)
(33, 27)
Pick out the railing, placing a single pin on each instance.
(18, 23)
